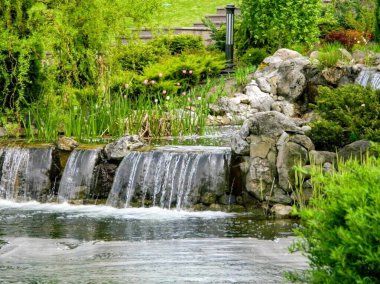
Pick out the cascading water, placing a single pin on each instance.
(170, 176)
(77, 177)
(25, 174)
(369, 78)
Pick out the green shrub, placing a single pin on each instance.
(135, 56)
(253, 56)
(279, 23)
(177, 44)
(328, 21)
(356, 14)
(187, 69)
(347, 114)
(340, 230)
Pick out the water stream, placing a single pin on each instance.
(61, 243)
(160, 241)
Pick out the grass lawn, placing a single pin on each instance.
(183, 13)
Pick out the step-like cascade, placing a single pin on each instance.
(171, 177)
(77, 178)
(26, 174)
(369, 77)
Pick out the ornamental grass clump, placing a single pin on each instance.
(340, 231)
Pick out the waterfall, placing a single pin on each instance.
(77, 177)
(369, 78)
(25, 174)
(170, 177)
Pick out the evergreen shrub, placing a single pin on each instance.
(177, 44)
(346, 114)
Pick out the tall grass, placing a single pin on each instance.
(112, 115)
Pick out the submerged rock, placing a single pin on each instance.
(119, 149)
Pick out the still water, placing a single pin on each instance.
(61, 243)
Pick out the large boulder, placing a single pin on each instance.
(290, 154)
(120, 148)
(355, 150)
(258, 99)
(272, 123)
(283, 74)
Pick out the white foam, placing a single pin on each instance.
(101, 211)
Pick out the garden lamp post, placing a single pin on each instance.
(230, 14)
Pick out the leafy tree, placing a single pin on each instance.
(21, 51)
(280, 23)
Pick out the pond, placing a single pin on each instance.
(61, 243)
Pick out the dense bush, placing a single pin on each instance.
(347, 114)
(21, 53)
(135, 56)
(356, 14)
(340, 230)
(178, 43)
(279, 23)
(187, 69)
(253, 56)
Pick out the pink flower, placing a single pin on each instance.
(183, 93)
(164, 92)
(146, 81)
(184, 71)
(152, 82)
(190, 72)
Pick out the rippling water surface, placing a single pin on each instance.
(61, 243)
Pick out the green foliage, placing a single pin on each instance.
(340, 229)
(253, 56)
(347, 114)
(177, 44)
(329, 55)
(21, 52)
(135, 56)
(328, 21)
(278, 23)
(356, 14)
(187, 69)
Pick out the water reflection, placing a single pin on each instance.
(85, 223)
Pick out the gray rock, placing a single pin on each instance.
(284, 107)
(291, 80)
(285, 54)
(258, 99)
(239, 145)
(279, 196)
(333, 75)
(263, 85)
(355, 150)
(66, 144)
(272, 123)
(281, 211)
(321, 157)
(289, 155)
(302, 140)
(260, 146)
(260, 178)
(118, 149)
